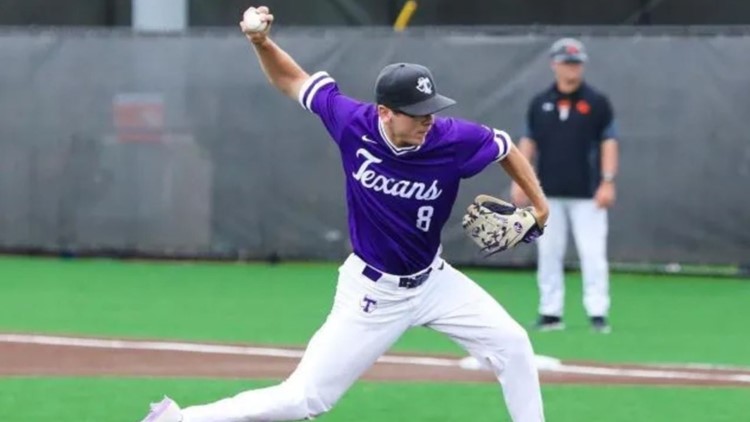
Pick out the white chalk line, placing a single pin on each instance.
(651, 374)
(672, 374)
(198, 348)
(701, 366)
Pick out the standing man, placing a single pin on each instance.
(402, 166)
(571, 133)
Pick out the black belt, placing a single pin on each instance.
(405, 282)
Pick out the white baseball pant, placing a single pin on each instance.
(367, 317)
(589, 224)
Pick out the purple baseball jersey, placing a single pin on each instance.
(399, 198)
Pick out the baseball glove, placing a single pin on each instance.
(496, 225)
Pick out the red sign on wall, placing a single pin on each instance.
(139, 117)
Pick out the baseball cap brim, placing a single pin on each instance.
(429, 106)
(571, 58)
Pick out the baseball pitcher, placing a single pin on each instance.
(403, 166)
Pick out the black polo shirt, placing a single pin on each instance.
(568, 130)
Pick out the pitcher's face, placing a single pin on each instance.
(404, 129)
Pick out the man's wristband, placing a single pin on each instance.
(608, 177)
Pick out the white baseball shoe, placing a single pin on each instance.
(164, 411)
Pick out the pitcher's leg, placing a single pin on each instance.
(460, 308)
(551, 253)
(347, 344)
(590, 234)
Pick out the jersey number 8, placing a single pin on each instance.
(424, 216)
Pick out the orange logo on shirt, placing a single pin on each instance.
(583, 107)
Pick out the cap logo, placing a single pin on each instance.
(424, 84)
(571, 49)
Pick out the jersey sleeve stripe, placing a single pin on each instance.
(311, 85)
(320, 84)
(503, 143)
(304, 91)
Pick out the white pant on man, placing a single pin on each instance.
(589, 224)
(366, 319)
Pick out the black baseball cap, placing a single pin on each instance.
(568, 50)
(410, 89)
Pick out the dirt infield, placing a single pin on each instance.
(26, 355)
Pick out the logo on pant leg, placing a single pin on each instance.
(368, 304)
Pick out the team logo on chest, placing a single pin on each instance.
(408, 189)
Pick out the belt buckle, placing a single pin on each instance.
(416, 281)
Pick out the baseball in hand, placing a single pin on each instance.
(252, 21)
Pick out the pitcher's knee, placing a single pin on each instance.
(318, 404)
(510, 344)
(309, 400)
(517, 341)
